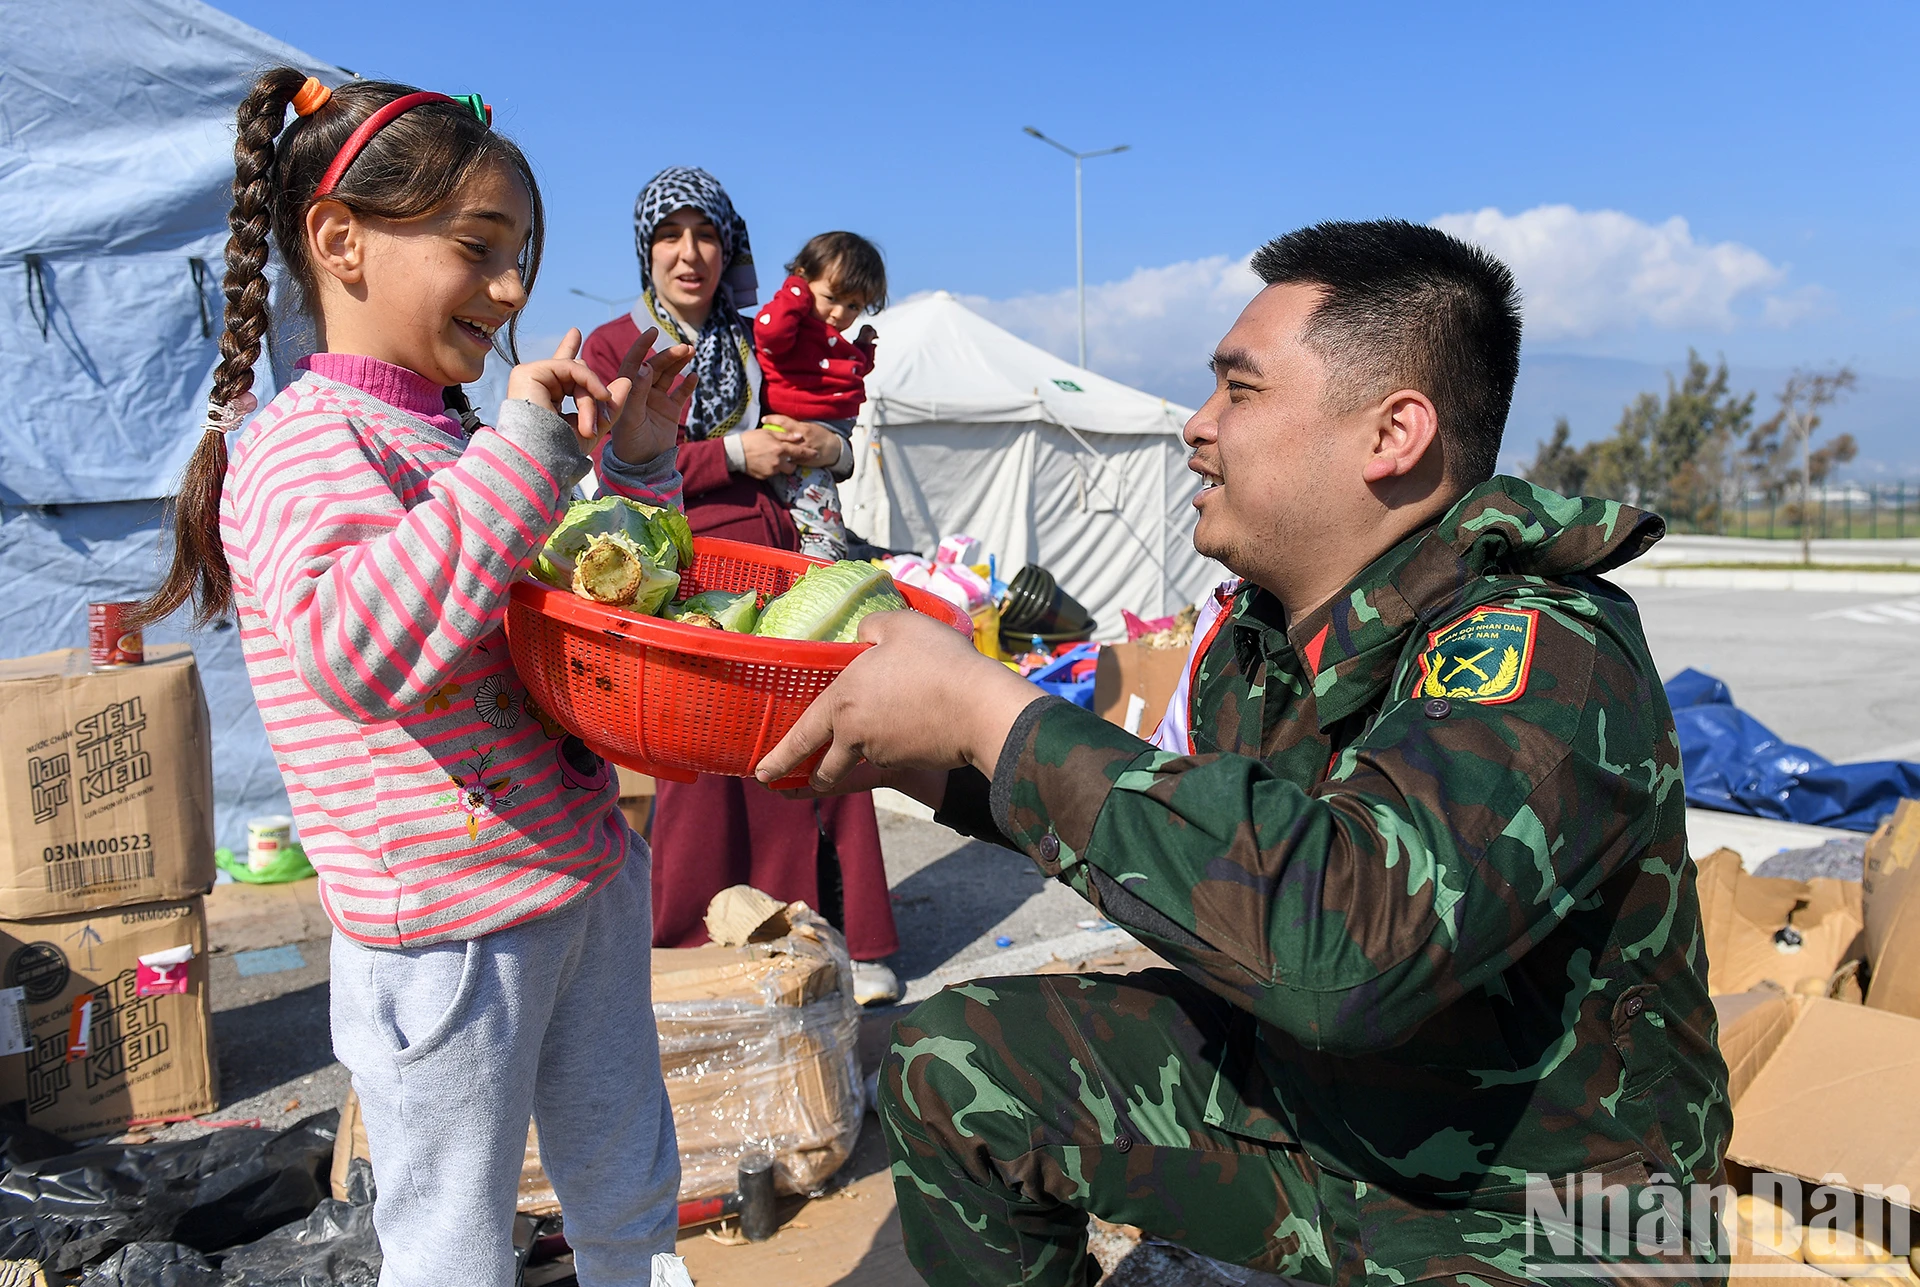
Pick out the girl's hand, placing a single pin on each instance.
(767, 453)
(649, 422)
(546, 384)
(810, 443)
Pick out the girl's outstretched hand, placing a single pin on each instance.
(597, 407)
(649, 422)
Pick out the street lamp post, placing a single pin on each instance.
(1079, 228)
(617, 305)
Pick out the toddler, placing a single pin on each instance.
(812, 372)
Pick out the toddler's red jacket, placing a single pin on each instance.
(811, 371)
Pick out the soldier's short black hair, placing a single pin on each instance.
(1409, 307)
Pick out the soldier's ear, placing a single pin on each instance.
(1406, 432)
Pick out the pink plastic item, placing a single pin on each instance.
(1136, 626)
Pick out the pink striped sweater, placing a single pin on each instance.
(373, 543)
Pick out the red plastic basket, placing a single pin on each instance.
(671, 700)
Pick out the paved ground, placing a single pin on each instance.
(1836, 673)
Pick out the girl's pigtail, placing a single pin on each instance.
(199, 570)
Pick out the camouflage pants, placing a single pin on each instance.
(1015, 1107)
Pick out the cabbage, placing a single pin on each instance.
(669, 538)
(612, 569)
(724, 609)
(656, 592)
(828, 603)
(659, 533)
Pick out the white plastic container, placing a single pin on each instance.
(266, 837)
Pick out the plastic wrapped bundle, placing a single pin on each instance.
(758, 1051)
(757, 1044)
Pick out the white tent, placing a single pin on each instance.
(968, 428)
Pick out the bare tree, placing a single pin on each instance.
(1771, 448)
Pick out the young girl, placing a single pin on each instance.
(814, 373)
(490, 904)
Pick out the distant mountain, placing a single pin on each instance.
(1591, 392)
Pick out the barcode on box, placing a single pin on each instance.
(96, 873)
(13, 1022)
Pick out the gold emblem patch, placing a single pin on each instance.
(1483, 657)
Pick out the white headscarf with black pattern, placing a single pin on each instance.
(724, 345)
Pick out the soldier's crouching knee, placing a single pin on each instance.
(941, 1015)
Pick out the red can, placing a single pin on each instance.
(112, 641)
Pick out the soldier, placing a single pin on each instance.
(1422, 865)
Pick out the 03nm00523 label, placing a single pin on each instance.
(87, 865)
(87, 875)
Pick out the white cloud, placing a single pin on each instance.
(1584, 273)
(1588, 272)
(1152, 330)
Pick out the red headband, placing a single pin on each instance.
(379, 120)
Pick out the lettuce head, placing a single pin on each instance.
(660, 533)
(737, 611)
(828, 603)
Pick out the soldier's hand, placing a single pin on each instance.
(920, 699)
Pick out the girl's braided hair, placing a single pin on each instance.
(406, 171)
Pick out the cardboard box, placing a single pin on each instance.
(146, 1033)
(1799, 934)
(106, 783)
(636, 800)
(1892, 894)
(1836, 1097)
(1133, 684)
(1752, 1026)
(246, 918)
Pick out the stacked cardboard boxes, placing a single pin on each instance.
(106, 846)
(1820, 1026)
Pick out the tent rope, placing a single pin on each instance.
(37, 294)
(1101, 464)
(198, 267)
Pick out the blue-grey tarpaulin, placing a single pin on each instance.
(116, 170)
(1735, 763)
(116, 173)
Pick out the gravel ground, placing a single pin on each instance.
(271, 1041)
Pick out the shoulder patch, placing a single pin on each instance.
(1485, 656)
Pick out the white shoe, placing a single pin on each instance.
(874, 984)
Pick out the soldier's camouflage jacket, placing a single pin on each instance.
(1432, 840)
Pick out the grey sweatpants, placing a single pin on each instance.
(453, 1046)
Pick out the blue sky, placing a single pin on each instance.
(1570, 139)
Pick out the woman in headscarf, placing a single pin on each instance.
(696, 274)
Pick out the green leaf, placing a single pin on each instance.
(829, 603)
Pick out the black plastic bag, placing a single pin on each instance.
(223, 1188)
(335, 1246)
(153, 1264)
